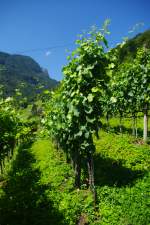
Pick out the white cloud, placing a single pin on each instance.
(48, 53)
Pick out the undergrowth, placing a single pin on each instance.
(39, 188)
(122, 180)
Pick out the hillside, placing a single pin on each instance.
(18, 71)
(130, 48)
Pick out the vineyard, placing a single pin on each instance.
(80, 153)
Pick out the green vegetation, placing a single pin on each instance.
(76, 155)
(39, 188)
(22, 72)
(73, 115)
(122, 180)
(129, 50)
(8, 131)
(129, 90)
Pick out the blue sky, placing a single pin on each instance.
(39, 24)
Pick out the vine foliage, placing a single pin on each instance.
(74, 110)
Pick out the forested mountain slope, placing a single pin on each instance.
(129, 50)
(18, 71)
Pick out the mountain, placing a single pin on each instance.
(128, 51)
(24, 73)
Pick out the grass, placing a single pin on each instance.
(23, 200)
(127, 123)
(59, 176)
(122, 180)
(39, 187)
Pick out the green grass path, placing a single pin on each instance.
(23, 197)
(39, 189)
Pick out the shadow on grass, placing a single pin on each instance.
(110, 172)
(24, 201)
